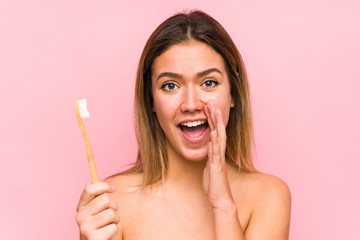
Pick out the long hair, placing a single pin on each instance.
(152, 158)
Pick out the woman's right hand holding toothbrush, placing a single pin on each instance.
(97, 214)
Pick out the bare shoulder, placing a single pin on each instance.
(258, 184)
(273, 196)
(263, 187)
(266, 202)
(271, 215)
(125, 181)
(269, 187)
(127, 189)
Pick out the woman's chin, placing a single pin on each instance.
(195, 155)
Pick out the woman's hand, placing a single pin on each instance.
(97, 215)
(215, 180)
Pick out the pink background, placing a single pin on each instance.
(303, 63)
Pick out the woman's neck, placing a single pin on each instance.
(184, 174)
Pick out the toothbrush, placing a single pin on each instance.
(82, 113)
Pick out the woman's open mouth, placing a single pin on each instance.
(194, 131)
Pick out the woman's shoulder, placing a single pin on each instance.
(126, 183)
(261, 188)
(128, 189)
(122, 178)
(267, 184)
(264, 199)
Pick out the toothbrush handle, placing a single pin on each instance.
(90, 156)
(94, 176)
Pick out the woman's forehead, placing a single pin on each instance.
(190, 57)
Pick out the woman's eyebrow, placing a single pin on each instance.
(169, 74)
(208, 71)
(199, 75)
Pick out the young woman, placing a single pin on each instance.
(194, 177)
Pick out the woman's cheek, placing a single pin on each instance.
(165, 109)
(224, 105)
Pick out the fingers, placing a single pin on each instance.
(98, 221)
(209, 118)
(101, 203)
(215, 148)
(92, 191)
(206, 173)
(97, 213)
(107, 232)
(217, 184)
(217, 130)
(221, 131)
(106, 217)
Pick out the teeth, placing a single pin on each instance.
(193, 124)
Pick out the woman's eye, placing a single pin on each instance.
(210, 83)
(169, 86)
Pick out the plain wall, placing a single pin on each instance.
(302, 59)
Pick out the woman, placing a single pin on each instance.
(194, 177)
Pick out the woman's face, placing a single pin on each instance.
(184, 79)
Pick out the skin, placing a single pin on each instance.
(203, 197)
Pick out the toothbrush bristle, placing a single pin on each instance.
(84, 113)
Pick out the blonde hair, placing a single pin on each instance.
(152, 158)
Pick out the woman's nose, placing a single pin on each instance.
(192, 100)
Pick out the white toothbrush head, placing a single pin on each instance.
(84, 113)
